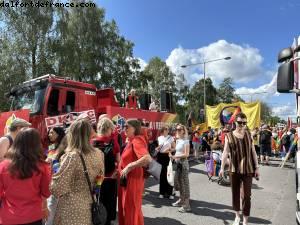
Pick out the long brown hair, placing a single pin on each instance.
(79, 135)
(136, 124)
(25, 154)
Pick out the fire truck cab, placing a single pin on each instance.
(55, 101)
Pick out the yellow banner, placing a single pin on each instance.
(202, 127)
(219, 115)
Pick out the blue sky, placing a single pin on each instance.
(252, 32)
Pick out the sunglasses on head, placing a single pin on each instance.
(241, 123)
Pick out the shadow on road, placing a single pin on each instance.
(199, 208)
(152, 182)
(255, 186)
(196, 170)
(202, 208)
(161, 221)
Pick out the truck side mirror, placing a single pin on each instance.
(285, 77)
(285, 54)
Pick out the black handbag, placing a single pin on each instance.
(99, 213)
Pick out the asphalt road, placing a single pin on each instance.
(273, 200)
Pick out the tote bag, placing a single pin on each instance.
(170, 173)
(154, 169)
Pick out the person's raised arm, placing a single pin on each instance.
(143, 156)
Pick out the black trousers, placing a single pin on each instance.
(164, 187)
(108, 196)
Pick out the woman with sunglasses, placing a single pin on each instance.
(243, 166)
(134, 157)
(182, 172)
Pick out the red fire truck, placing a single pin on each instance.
(56, 101)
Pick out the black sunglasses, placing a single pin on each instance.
(241, 123)
(179, 129)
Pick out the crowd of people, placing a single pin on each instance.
(268, 141)
(52, 187)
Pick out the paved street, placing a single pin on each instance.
(273, 200)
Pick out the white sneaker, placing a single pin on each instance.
(171, 197)
(236, 221)
(160, 196)
(178, 203)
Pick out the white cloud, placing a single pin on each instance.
(245, 65)
(142, 63)
(284, 111)
(260, 93)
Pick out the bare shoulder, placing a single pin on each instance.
(4, 140)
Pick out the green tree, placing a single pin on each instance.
(266, 112)
(126, 69)
(12, 69)
(91, 49)
(159, 77)
(195, 96)
(226, 91)
(273, 120)
(29, 31)
(182, 87)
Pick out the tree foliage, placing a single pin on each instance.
(226, 91)
(76, 42)
(158, 76)
(196, 99)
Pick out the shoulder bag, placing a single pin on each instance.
(99, 213)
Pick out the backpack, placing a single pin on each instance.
(109, 157)
(285, 140)
(265, 138)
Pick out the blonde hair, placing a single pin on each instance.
(104, 125)
(79, 136)
(102, 116)
(161, 131)
(185, 135)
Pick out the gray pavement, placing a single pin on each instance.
(273, 200)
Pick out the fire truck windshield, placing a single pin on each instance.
(29, 98)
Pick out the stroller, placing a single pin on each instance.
(213, 165)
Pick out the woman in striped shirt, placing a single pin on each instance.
(243, 166)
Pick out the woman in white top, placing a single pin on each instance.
(165, 143)
(182, 172)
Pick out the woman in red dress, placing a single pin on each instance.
(134, 157)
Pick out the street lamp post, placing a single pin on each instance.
(204, 76)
